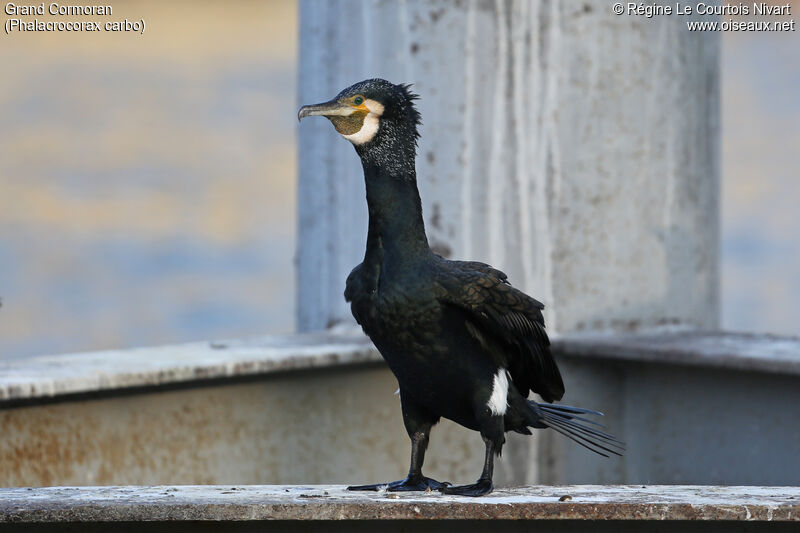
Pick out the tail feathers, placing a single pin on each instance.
(571, 412)
(565, 420)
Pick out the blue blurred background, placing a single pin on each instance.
(147, 182)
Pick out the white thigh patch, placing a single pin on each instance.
(368, 130)
(498, 401)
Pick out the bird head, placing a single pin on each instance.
(370, 110)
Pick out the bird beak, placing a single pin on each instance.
(326, 109)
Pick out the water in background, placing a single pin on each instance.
(761, 181)
(147, 183)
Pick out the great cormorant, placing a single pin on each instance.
(463, 343)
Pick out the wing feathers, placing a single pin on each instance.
(507, 315)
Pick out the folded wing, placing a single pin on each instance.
(497, 313)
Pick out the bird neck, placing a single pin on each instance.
(396, 229)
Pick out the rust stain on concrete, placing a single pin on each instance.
(340, 426)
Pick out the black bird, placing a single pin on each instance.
(463, 343)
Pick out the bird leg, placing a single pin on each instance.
(484, 484)
(415, 481)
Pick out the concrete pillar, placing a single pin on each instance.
(575, 149)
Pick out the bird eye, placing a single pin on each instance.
(358, 100)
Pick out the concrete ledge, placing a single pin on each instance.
(718, 349)
(53, 376)
(58, 375)
(271, 502)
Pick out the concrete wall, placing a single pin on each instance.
(692, 408)
(681, 425)
(573, 148)
(320, 426)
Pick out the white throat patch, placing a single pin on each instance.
(371, 123)
(498, 401)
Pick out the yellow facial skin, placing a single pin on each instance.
(352, 123)
(356, 118)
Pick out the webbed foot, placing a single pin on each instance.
(421, 484)
(479, 488)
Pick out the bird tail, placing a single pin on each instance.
(567, 421)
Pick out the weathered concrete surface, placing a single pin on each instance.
(49, 376)
(338, 425)
(113, 371)
(682, 423)
(249, 503)
(693, 407)
(575, 149)
(710, 349)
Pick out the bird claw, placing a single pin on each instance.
(376, 487)
(421, 484)
(479, 488)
